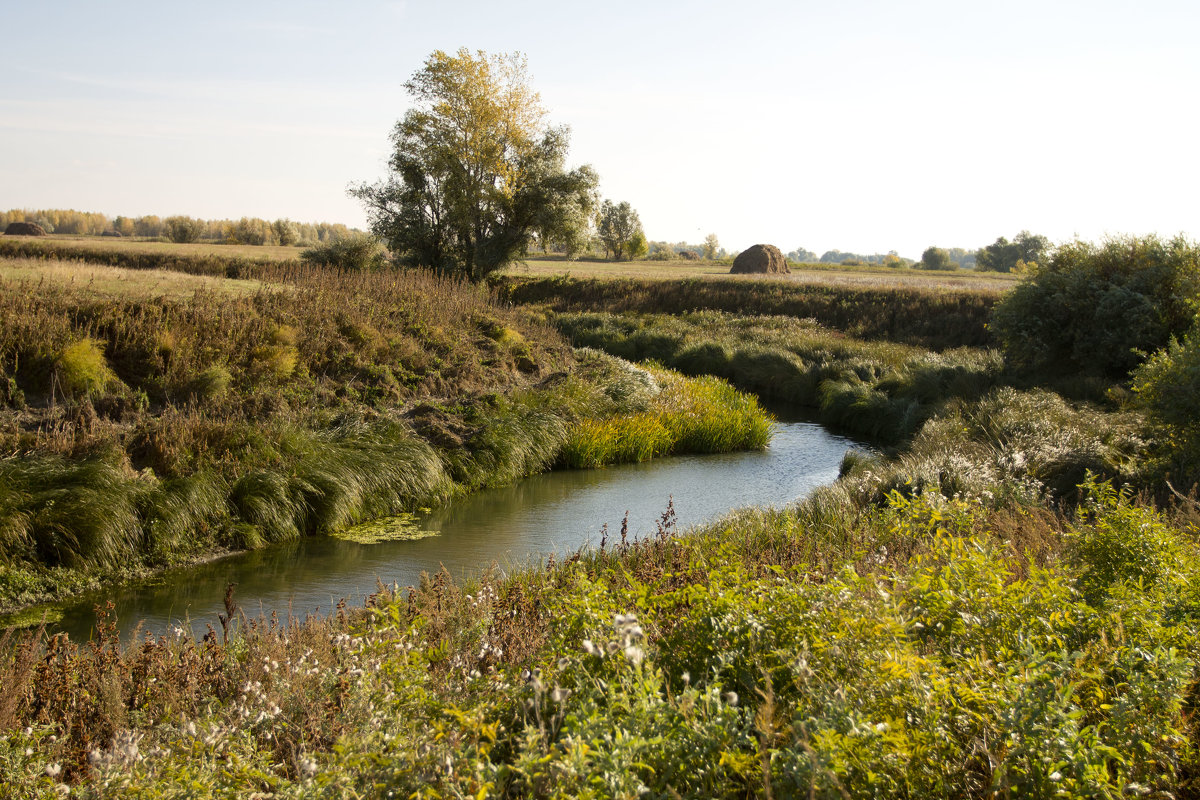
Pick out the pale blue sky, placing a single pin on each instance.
(861, 126)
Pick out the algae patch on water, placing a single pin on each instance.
(400, 528)
(32, 617)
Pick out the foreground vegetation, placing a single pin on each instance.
(142, 429)
(1004, 604)
(922, 646)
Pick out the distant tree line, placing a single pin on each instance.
(247, 230)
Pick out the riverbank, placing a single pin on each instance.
(144, 430)
(842, 644)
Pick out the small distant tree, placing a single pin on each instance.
(123, 226)
(1003, 255)
(251, 230)
(936, 258)
(286, 232)
(617, 226)
(149, 226)
(637, 245)
(711, 246)
(183, 229)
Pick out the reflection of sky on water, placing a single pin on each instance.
(553, 512)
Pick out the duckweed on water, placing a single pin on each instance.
(398, 528)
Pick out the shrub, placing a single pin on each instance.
(1124, 543)
(82, 369)
(1098, 309)
(211, 384)
(1168, 388)
(358, 252)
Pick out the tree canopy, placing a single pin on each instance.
(620, 230)
(936, 258)
(475, 171)
(1003, 255)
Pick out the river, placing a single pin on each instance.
(555, 512)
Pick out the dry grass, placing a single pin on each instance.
(118, 245)
(831, 274)
(101, 281)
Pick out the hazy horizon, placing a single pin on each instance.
(862, 127)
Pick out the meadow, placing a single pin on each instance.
(129, 247)
(1000, 602)
(807, 273)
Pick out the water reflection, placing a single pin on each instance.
(554, 512)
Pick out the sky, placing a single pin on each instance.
(859, 126)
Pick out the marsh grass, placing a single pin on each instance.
(932, 317)
(881, 390)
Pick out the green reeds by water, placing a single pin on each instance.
(881, 390)
(681, 415)
(100, 514)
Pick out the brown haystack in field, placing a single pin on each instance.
(760, 258)
(24, 229)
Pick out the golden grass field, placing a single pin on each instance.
(118, 244)
(106, 281)
(807, 273)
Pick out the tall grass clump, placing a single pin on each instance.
(81, 369)
(68, 513)
(651, 412)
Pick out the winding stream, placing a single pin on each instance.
(557, 512)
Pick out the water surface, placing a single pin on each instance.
(556, 512)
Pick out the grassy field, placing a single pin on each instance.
(131, 245)
(821, 274)
(104, 281)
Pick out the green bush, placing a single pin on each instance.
(1099, 309)
(357, 252)
(1168, 389)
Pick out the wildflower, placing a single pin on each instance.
(308, 767)
(731, 698)
(560, 694)
(687, 678)
(53, 770)
(563, 663)
(590, 648)
(634, 654)
(1056, 776)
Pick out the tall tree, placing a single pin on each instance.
(618, 227)
(475, 172)
(711, 246)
